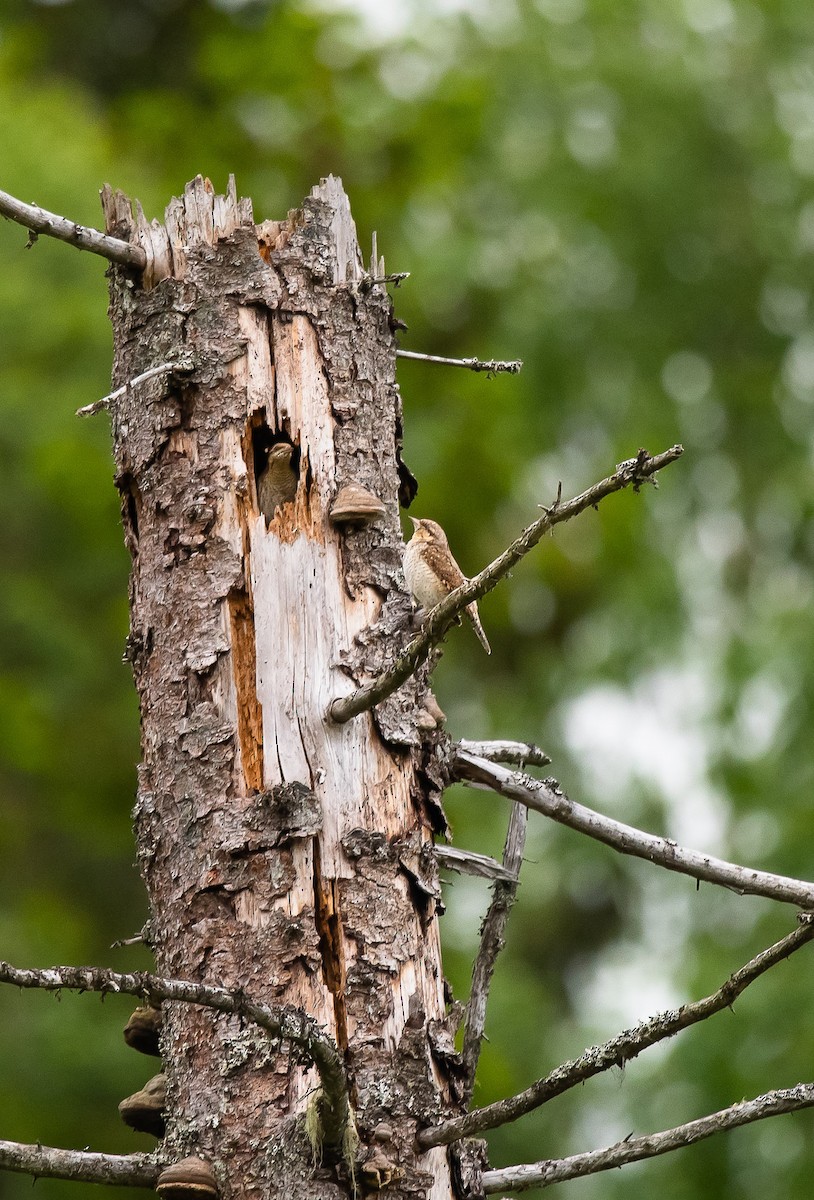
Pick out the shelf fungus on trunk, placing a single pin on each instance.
(355, 505)
(144, 1110)
(143, 1030)
(190, 1179)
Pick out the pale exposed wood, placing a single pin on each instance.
(347, 257)
(148, 240)
(521, 754)
(199, 218)
(470, 863)
(278, 848)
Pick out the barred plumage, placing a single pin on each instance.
(432, 573)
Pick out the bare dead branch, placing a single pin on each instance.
(519, 754)
(137, 939)
(284, 1022)
(633, 472)
(162, 369)
(543, 1174)
(493, 366)
(545, 796)
(504, 895)
(378, 277)
(620, 1049)
(467, 862)
(82, 1166)
(39, 220)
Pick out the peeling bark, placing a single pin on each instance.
(283, 854)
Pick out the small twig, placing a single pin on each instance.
(39, 220)
(543, 1174)
(545, 797)
(519, 754)
(491, 943)
(438, 621)
(162, 369)
(467, 862)
(376, 278)
(620, 1049)
(493, 366)
(138, 939)
(82, 1166)
(284, 1022)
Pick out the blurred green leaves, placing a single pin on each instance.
(621, 195)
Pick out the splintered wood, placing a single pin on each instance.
(283, 854)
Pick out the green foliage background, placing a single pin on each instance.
(622, 195)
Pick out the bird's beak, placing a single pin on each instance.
(414, 521)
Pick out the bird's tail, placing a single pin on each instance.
(472, 613)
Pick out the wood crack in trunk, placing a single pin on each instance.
(244, 666)
(326, 915)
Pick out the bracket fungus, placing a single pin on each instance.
(189, 1179)
(355, 505)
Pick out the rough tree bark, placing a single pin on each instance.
(283, 854)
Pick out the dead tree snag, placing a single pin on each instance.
(270, 838)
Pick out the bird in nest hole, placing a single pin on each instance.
(277, 482)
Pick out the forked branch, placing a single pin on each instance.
(39, 220)
(633, 473)
(504, 894)
(557, 1170)
(545, 796)
(284, 1022)
(620, 1049)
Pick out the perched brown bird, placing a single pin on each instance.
(432, 573)
(277, 482)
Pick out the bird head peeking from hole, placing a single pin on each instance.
(277, 482)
